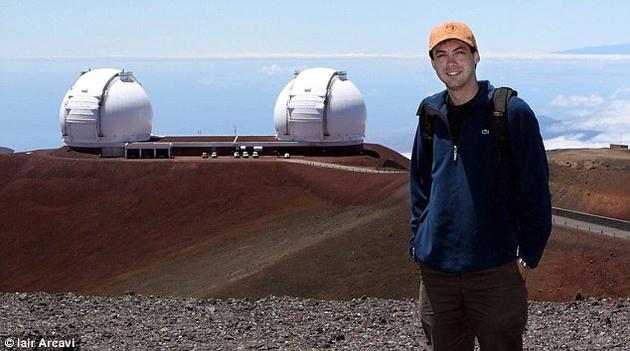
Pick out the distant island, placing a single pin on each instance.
(618, 49)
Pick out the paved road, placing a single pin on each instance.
(589, 227)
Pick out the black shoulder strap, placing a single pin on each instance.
(500, 101)
(501, 98)
(427, 131)
(426, 122)
(499, 125)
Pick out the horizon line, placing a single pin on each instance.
(525, 56)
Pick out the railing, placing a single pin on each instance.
(591, 218)
(346, 168)
(592, 223)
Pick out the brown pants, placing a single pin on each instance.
(490, 305)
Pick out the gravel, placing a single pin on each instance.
(134, 322)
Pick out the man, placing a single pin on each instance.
(481, 214)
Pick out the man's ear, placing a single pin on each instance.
(476, 57)
(433, 63)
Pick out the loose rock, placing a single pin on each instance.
(284, 323)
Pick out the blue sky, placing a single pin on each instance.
(585, 100)
(198, 28)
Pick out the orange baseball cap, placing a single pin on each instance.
(451, 30)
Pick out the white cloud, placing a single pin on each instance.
(621, 92)
(571, 142)
(595, 127)
(271, 69)
(275, 68)
(580, 113)
(604, 124)
(576, 100)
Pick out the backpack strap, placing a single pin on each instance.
(427, 131)
(502, 145)
(499, 126)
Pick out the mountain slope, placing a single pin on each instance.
(237, 228)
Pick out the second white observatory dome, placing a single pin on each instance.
(105, 107)
(320, 105)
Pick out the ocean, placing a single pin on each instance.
(580, 102)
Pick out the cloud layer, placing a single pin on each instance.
(562, 100)
(595, 121)
(275, 68)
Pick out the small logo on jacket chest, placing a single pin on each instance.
(485, 131)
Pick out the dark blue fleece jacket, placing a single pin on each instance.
(453, 223)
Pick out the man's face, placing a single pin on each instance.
(454, 62)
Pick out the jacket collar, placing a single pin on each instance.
(484, 96)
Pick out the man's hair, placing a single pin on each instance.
(472, 51)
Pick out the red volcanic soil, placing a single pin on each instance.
(236, 228)
(591, 264)
(593, 180)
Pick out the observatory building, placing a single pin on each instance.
(319, 112)
(321, 106)
(105, 109)
(6, 150)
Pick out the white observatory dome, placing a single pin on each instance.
(320, 105)
(105, 107)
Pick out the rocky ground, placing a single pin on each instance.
(134, 322)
